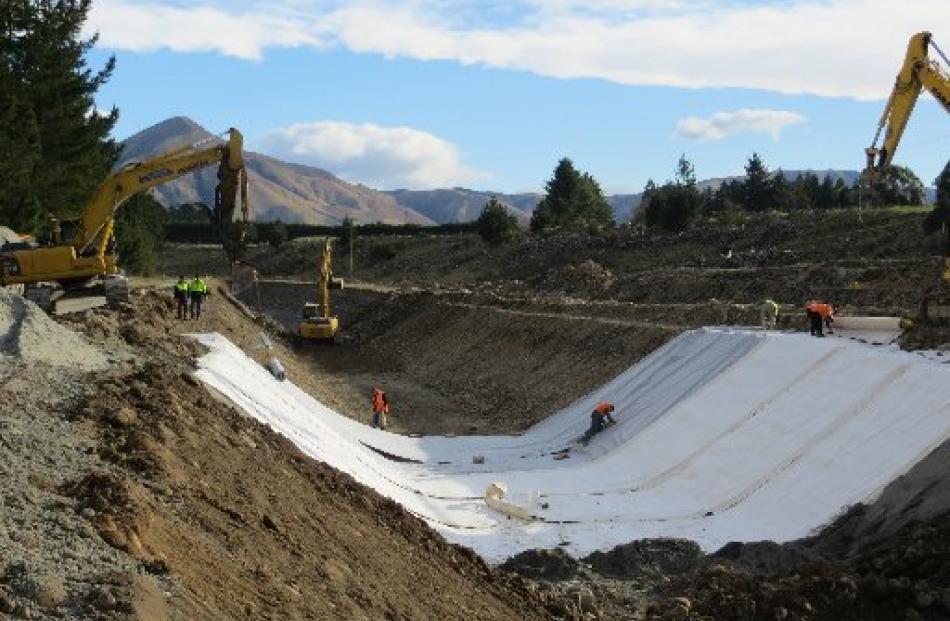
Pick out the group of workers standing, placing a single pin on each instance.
(190, 295)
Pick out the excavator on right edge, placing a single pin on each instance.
(919, 72)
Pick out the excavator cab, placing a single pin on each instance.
(317, 324)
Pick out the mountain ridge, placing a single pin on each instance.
(298, 193)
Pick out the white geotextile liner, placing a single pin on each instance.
(723, 435)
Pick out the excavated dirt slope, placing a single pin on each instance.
(869, 260)
(453, 365)
(173, 506)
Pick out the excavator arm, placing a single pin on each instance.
(919, 72)
(90, 254)
(96, 221)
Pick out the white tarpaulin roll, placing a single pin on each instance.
(495, 498)
(878, 330)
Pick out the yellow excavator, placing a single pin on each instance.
(317, 323)
(88, 255)
(919, 72)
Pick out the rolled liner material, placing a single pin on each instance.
(495, 498)
(870, 324)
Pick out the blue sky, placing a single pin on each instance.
(436, 93)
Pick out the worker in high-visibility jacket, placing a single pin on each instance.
(380, 408)
(600, 419)
(768, 314)
(197, 290)
(181, 297)
(820, 313)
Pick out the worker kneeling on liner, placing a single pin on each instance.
(600, 419)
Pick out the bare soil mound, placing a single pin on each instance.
(647, 558)
(765, 557)
(553, 564)
(29, 335)
(586, 279)
(8, 235)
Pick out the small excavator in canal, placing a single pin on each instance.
(317, 323)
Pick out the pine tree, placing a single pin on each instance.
(757, 196)
(898, 185)
(812, 188)
(939, 218)
(572, 200)
(274, 233)
(19, 153)
(675, 203)
(942, 183)
(685, 173)
(495, 225)
(42, 49)
(593, 210)
(842, 193)
(139, 233)
(826, 198)
(778, 189)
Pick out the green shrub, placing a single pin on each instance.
(495, 225)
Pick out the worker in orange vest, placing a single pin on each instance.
(380, 408)
(820, 313)
(600, 419)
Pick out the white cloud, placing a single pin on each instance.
(722, 124)
(382, 157)
(145, 28)
(790, 46)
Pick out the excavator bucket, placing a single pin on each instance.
(233, 234)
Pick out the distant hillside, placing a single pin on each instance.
(461, 204)
(298, 193)
(305, 194)
(849, 176)
(291, 192)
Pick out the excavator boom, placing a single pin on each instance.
(919, 72)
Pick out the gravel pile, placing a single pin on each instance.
(29, 335)
(8, 235)
(51, 558)
(585, 279)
